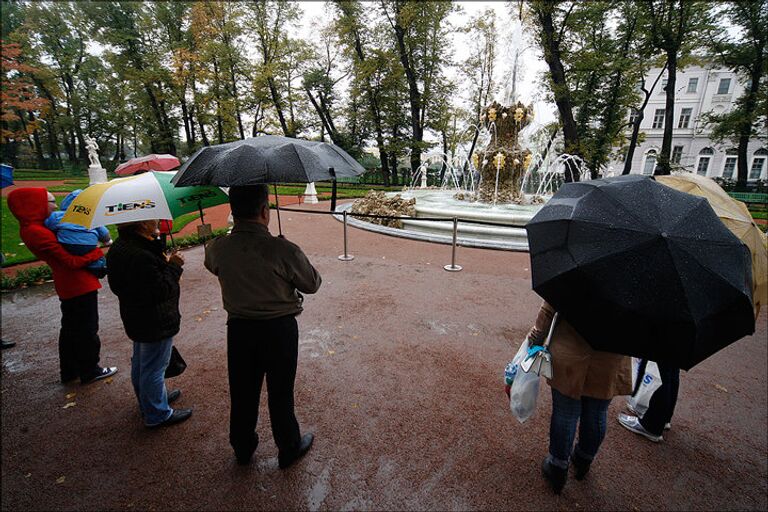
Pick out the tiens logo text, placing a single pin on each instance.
(116, 209)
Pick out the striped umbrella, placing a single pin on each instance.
(142, 197)
(147, 163)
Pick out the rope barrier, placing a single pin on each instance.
(453, 267)
(401, 217)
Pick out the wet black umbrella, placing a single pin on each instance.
(641, 269)
(268, 159)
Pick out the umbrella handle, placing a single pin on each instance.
(551, 330)
(277, 207)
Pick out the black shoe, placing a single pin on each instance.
(580, 466)
(555, 476)
(283, 461)
(174, 395)
(7, 344)
(177, 416)
(243, 455)
(66, 379)
(103, 373)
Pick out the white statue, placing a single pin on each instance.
(96, 173)
(93, 151)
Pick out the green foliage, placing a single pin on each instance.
(26, 277)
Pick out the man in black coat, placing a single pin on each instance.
(146, 283)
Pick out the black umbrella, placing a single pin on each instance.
(641, 269)
(268, 159)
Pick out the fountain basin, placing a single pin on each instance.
(506, 233)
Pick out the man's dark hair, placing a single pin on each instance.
(247, 201)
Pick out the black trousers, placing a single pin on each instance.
(79, 343)
(255, 349)
(661, 408)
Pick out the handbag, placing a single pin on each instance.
(176, 365)
(539, 360)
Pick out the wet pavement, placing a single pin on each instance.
(400, 377)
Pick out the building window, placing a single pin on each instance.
(685, 118)
(677, 154)
(724, 86)
(633, 115)
(693, 84)
(663, 86)
(705, 156)
(650, 162)
(758, 164)
(658, 118)
(729, 167)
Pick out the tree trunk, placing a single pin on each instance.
(185, 118)
(38, 147)
(663, 166)
(414, 97)
(278, 107)
(560, 89)
(745, 131)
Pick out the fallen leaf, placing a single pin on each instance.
(354, 406)
(331, 352)
(720, 388)
(199, 318)
(68, 405)
(70, 396)
(28, 475)
(108, 380)
(60, 480)
(355, 337)
(214, 309)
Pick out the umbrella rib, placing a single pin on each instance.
(623, 207)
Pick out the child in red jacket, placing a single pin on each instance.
(79, 343)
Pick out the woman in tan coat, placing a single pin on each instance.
(583, 383)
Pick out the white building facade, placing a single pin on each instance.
(699, 91)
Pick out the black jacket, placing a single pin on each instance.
(147, 287)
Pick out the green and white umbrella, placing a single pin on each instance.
(145, 196)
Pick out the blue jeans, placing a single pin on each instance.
(589, 413)
(148, 366)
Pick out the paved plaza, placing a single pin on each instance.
(400, 378)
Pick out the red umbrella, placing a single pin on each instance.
(147, 163)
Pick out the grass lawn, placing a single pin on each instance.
(14, 251)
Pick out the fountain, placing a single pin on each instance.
(495, 191)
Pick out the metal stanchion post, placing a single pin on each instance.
(453, 267)
(346, 256)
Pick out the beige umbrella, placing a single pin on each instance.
(737, 218)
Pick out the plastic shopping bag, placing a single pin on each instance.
(524, 392)
(650, 383)
(510, 371)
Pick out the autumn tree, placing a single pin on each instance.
(675, 28)
(18, 98)
(748, 58)
(420, 32)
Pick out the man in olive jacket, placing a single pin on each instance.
(146, 282)
(260, 277)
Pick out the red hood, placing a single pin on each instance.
(29, 205)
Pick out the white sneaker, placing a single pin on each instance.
(632, 424)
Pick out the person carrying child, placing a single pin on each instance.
(76, 239)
